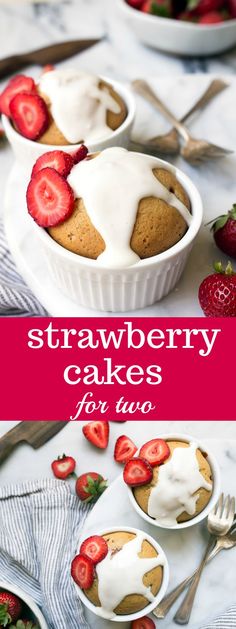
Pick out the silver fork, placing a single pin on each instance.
(168, 143)
(222, 543)
(192, 150)
(219, 523)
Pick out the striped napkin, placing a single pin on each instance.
(40, 524)
(16, 299)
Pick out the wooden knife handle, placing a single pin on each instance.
(7, 445)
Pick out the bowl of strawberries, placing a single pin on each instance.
(183, 27)
(18, 610)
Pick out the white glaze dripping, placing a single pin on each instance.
(178, 480)
(78, 105)
(111, 186)
(121, 573)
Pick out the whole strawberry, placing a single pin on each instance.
(90, 486)
(10, 608)
(224, 230)
(217, 293)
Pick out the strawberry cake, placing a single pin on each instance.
(64, 107)
(171, 480)
(115, 206)
(120, 572)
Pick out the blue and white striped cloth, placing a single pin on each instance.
(16, 299)
(40, 524)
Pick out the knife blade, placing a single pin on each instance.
(49, 54)
(34, 433)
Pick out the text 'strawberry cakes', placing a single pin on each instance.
(120, 572)
(125, 209)
(64, 107)
(180, 485)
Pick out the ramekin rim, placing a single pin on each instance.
(26, 598)
(191, 26)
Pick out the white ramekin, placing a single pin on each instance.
(27, 151)
(160, 595)
(179, 37)
(122, 290)
(27, 600)
(214, 496)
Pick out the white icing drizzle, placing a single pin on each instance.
(78, 105)
(178, 480)
(111, 186)
(121, 573)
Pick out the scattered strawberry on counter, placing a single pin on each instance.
(11, 609)
(217, 292)
(63, 466)
(224, 231)
(97, 433)
(198, 11)
(90, 486)
(143, 623)
(124, 450)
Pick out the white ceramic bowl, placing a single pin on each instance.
(121, 290)
(27, 151)
(36, 613)
(214, 496)
(177, 36)
(160, 595)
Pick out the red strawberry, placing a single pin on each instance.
(19, 83)
(29, 114)
(224, 230)
(48, 68)
(97, 433)
(59, 160)
(136, 4)
(63, 466)
(201, 7)
(90, 486)
(155, 451)
(232, 8)
(50, 199)
(82, 571)
(124, 449)
(213, 17)
(10, 605)
(157, 7)
(217, 293)
(80, 154)
(143, 623)
(137, 472)
(95, 548)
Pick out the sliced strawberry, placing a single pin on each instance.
(80, 154)
(136, 4)
(19, 83)
(213, 17)
(97, 433)
(124, 449)
(95, 547)
(155, 451)
(50, 199)
(82, 571)
(59, 160)
(137, 472)
(29, 114)
(143, 623)
(63, 466)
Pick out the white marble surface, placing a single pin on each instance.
(25, 463)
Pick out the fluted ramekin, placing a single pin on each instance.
(122, 290)
(215, 488)
(27, 151)
(160, 594)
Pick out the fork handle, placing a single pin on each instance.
(216, 86)
(145, 90)
(183, 614)
(162, 609)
